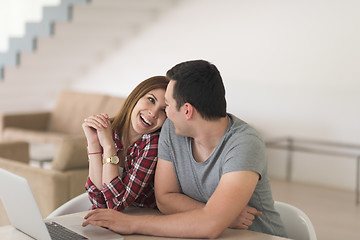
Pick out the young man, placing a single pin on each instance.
(211, 165)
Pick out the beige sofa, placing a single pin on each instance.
(62, 127)
(51, 187)
(64, 120)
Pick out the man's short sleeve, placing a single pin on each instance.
(164, 140)
(248, 153)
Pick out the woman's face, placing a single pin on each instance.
(148, 114)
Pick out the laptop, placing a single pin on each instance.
(24, 214)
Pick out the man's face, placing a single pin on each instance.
(177, 117)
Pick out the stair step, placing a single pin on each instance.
(59, 48)
(82, 28)
(158, 4)
(82, 38)
(56, 62)
(105, 14)
(42, 74)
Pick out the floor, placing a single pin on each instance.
(333, 212)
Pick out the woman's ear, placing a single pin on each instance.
(188, 110)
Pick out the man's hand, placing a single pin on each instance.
(111, 219)
(246, 218)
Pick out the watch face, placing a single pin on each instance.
(115, 159)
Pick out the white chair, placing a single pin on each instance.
(297, 224)
(77, 204)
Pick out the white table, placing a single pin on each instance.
(10, 233)
(42, 153)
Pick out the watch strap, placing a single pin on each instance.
(114, 159)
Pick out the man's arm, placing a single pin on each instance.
(169, 198)
(230, 197)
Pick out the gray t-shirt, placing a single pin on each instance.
(241, 148)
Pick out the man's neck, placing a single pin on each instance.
(207, 137)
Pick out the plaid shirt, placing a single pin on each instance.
(136, 185)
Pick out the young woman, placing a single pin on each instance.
(129, 141)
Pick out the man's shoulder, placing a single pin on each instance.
(167, 130)
(237, 124)
(241, 129)
(168, 123)
(167, 127)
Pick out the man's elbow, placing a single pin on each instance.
(212, 231)
(161, 205)
(209, 225)
(213, 234)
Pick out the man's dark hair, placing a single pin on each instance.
(199, 83)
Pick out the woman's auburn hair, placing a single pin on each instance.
(122, 120)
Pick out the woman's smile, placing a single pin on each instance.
(145, 121)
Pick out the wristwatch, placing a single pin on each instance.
(114, 159)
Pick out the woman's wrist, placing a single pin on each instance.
(109, 151)
(94, 149)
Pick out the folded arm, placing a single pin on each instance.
(170, 200)
(224, 206)
(168, 194)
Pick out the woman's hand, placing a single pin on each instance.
(105, 136)
(92, 124)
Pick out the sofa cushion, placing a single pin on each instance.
(38, 121)
(112, 105)
(71, 109)
(20, 134)
(71, 154)
(18, 151)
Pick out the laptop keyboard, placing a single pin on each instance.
(59, 232)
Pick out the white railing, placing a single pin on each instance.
(318, 147)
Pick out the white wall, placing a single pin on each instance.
(15, 13)
(289, 67)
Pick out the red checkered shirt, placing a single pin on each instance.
(135, 187)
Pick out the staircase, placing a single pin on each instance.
(76, 46)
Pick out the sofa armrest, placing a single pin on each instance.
(47, 186)
(34, 121)
(71, 154)
(17, 151)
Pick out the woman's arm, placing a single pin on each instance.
(95, 195)
(94, 182)
(90, 126)
(122, 192)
